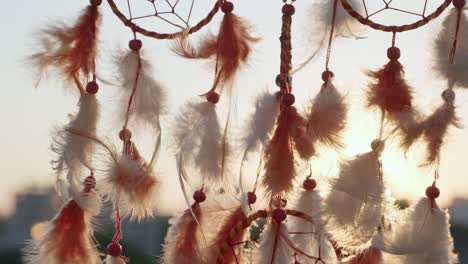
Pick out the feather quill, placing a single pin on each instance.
(149, 98)
(74, 151)
(457, 72)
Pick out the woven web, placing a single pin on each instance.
(165, 16)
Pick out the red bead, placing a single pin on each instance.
(288, 10)
(393, 53)
(263, 213)
(251, 197)
(327, 75)
(212, 97)
(125, 134)
(135, 44)
(227, 7)
(92, 87)
(114, 249)
(288, 99)
(279, 215)
(309, 184)
(459, 3)
(95, 2)
(432, 192)
(199, 196)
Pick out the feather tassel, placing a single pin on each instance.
(71, 49)
(456, 73)
(114, 260)
(436, 126)
(327, 116)
(148, 102)
(368, 256)
(73, 151)
(230, 49)
(134, 177)
(356, 201)
(198, 135)
(388, 89)
(279, 154)
(182, 242)
(421, 234)
(68, 239)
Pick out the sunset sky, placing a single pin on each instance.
(28, 114)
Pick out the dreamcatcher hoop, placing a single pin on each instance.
(407, 27)
(153, 34)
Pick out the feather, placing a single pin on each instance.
(273, 249)
(408, 128)
(148, 102)
(279, 154)
(368, 256)
(327, 116)
(72, 151)
(311, 237)
(114, 260)
(198, 135)
(231, 256)
(457, 72)
(68, 238)
(388, 89)
(420, 235)
(230, 49)
(262, 121)
(182, 242)
(70, 49)
(356, 200)
(132, 180)
(436, 126)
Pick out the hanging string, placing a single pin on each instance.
(286, 56)
(332, 30)
(393, 38)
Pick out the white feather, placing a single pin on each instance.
(262, 121)
(150, 97)
(327, 116)
(91, 202)
(198, 135)
(264, 254)
(114, 260)
(421, 236)
(315, 236)
(356, 201)
(345, 25)
(456, 73)
(73, 151)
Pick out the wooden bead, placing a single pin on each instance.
(459, 3)
(309, 184)
(393, 53)
(327, 75)
(135, 45)
(125, 134)
(227, 7)
(114, 249)
(95, 2)
(432, 192)
(288, 99)
(288, 10)
(279, 215)
(199, 196)
(212, 97)
(251, 197)
(92, 87)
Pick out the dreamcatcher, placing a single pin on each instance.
(354, 222)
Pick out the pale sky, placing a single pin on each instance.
(28, 114)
